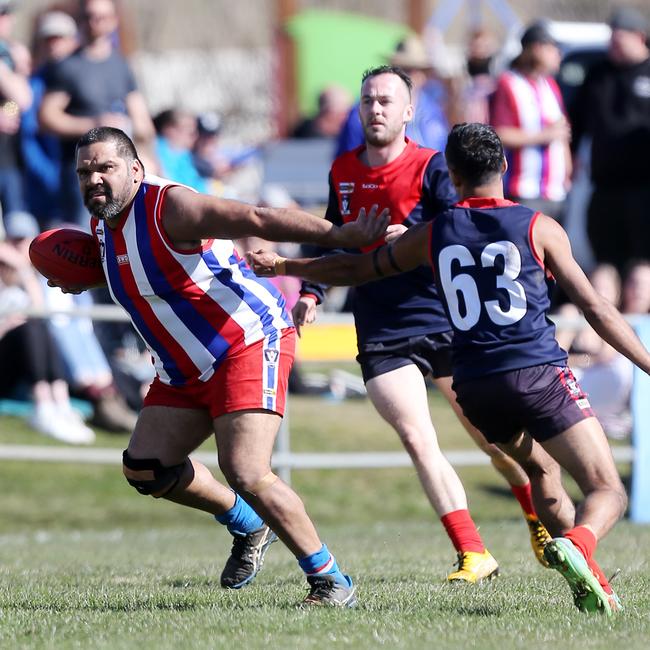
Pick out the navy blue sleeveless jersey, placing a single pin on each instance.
(494, 288)
(416, 187)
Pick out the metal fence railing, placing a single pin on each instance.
(285, 460)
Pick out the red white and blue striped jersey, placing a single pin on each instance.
(531, 104)
(192, 308)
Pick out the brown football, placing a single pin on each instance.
(68, 257)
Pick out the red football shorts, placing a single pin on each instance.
(256, 377)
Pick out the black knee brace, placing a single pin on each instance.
(148, 476)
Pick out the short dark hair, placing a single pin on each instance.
(474, 151)
(388, 69)
(124, 145)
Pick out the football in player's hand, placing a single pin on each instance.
(70, 258)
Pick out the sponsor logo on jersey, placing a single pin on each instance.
(369, 186)
(345, 190)
(122, 259)
(269, 392)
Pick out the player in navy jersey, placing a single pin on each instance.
(493, 263)
(402, 330)
(222, 345)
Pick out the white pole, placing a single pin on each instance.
(283, 446)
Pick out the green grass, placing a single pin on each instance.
(87, 563)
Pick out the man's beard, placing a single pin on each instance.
(109, 210)
(380, 139)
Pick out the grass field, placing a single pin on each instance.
(85, 562)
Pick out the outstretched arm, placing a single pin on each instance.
(405, 254)
(552, 244)
(188, 216)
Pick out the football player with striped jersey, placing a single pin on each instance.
(222, 344)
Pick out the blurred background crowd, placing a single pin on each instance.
(254, 100)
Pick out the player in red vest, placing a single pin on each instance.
(402, 330)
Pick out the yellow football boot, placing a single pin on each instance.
(474, 567)
(539, 538)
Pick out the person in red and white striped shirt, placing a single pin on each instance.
(528, 114)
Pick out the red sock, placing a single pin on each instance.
(583, 539)
(462, 531)
(524, 495)
(598, 572)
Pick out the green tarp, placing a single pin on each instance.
(333, 47)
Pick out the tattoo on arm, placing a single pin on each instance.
(391, 259)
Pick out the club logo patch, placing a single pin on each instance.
(271, 355)
(573, 387)
(345, 191)
(99, 231)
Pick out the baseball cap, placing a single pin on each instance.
(629, 19)
(20, 225)
(56, 23)
(537, 32)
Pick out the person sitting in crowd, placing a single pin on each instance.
(604, 374)
(87, 370)
(216, 162)
(177, 134)
(205, 153)
(636, 287)
(27, 347)
(333, 107)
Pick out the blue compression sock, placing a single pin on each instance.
(241, 519)
(323, 563)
